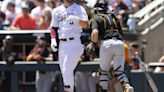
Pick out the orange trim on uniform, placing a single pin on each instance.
(126, 53)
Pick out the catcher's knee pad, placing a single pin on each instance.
(103, 79)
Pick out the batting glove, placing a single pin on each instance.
(54, 45)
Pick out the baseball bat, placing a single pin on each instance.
(149, 78)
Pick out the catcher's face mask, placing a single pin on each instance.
(69, 1)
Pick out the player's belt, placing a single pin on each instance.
(67, 39)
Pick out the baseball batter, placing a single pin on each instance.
(106, 29)
(68, 21)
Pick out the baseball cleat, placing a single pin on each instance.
(128, 88)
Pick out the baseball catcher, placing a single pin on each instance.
(106, 29)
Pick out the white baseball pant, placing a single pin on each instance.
(112, 50)
(69, 55)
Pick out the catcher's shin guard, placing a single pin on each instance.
(121, 77)
(103, 81)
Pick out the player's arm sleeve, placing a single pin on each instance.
(54, 20)
(83, 15)
(54, 25)
(83, 18)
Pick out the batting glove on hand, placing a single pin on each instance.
(54, 45)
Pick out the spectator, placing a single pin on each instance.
(45, 20)
(16, 2)
(160, 69)
(37, 11)
(121, 11)
(24, 21)
(121, 8)
(31, 4)
(41, 53)
(53, 3)
(7, 54)
(81, 2)
(3, 21)
(12, 11)
(112, 3)
(128, 3)
(131, 23)
(139, 3)
(134, 49)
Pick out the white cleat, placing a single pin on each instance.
(128, 88)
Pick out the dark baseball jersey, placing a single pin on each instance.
(107, 25)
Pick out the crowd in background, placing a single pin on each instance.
(27, 14)
(36, 15)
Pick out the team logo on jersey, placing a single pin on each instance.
(71, 23)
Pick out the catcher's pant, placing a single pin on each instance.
(44, 81)
(112, 50)
(70, 52)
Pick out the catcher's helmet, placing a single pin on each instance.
(101, 6)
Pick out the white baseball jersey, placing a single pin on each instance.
(67, 20)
